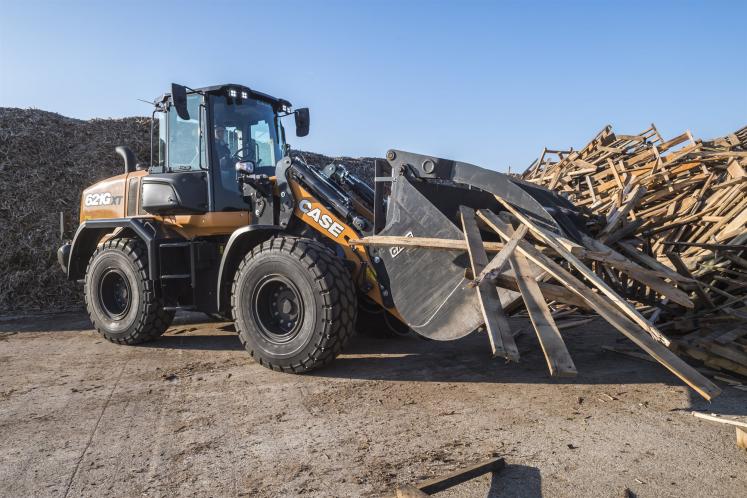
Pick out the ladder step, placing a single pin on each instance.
(171, 277)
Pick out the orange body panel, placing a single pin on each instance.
(203, 225)
(105, 199)
(318, 217)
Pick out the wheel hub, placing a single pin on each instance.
(277, 308)
(114, 293)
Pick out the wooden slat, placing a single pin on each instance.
(424, 242)
(645, 276)
(558, 358)
(501, 340)
(550, 291)
(459, 476)
(499, 260)
(739, 422)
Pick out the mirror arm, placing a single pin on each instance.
(152, 121)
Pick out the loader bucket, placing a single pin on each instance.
(429, 286)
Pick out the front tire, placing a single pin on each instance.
(293, 304)
(119, 295)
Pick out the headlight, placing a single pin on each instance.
(245, 167)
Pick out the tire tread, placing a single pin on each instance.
(333, 284)
(154, 321)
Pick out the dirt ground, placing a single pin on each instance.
(191, 414)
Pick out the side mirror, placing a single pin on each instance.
(302, 121)
(179, 97)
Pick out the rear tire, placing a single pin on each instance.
(120, 297)
(293, 304)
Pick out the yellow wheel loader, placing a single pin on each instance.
(226, 219)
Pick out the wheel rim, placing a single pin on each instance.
(277, 308)
(115, 293)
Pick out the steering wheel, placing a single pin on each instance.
(239, 154)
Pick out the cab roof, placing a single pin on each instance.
(276, 102)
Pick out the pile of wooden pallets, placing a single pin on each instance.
(678, 207)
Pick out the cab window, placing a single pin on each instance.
(186, 149)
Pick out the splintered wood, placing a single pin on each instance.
(677, 209)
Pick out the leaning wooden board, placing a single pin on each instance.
(501, 339)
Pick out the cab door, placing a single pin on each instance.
(179, 183)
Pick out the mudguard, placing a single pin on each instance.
(238, 245)
(89, 233)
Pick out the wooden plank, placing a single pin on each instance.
(569, 324)
(501, 340)
(738, 422)
(550, 291)
(438, 484)
(730, 353)
(606, 310)
(682, 268)
(558, 359)
(408, 491)
(425, 242)
(612, 167)
(499, 260)
(618, 301)
(741, 438)
(715, 361)
(731, 335)
(620, 215)
(650, 278)
(604, 254)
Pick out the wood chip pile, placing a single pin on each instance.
(45, 161)
(362, 167)
(678, 207)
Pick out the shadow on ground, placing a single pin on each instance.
(516, 481)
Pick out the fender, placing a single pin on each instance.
(240, 242)
(90, 232)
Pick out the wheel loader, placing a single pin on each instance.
(228, 220)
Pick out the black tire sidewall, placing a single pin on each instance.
(284, 264)
(103, 261)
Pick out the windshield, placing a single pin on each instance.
(242, 132)
(248, 131)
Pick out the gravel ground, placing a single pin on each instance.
(191, 414)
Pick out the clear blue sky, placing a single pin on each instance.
(484, 82)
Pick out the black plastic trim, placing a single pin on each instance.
(90, 232)
(242, 238)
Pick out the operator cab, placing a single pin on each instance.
(216, 129)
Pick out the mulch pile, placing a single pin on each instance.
(45, 161)
(362, 167)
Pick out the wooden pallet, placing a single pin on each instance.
(678, 207)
